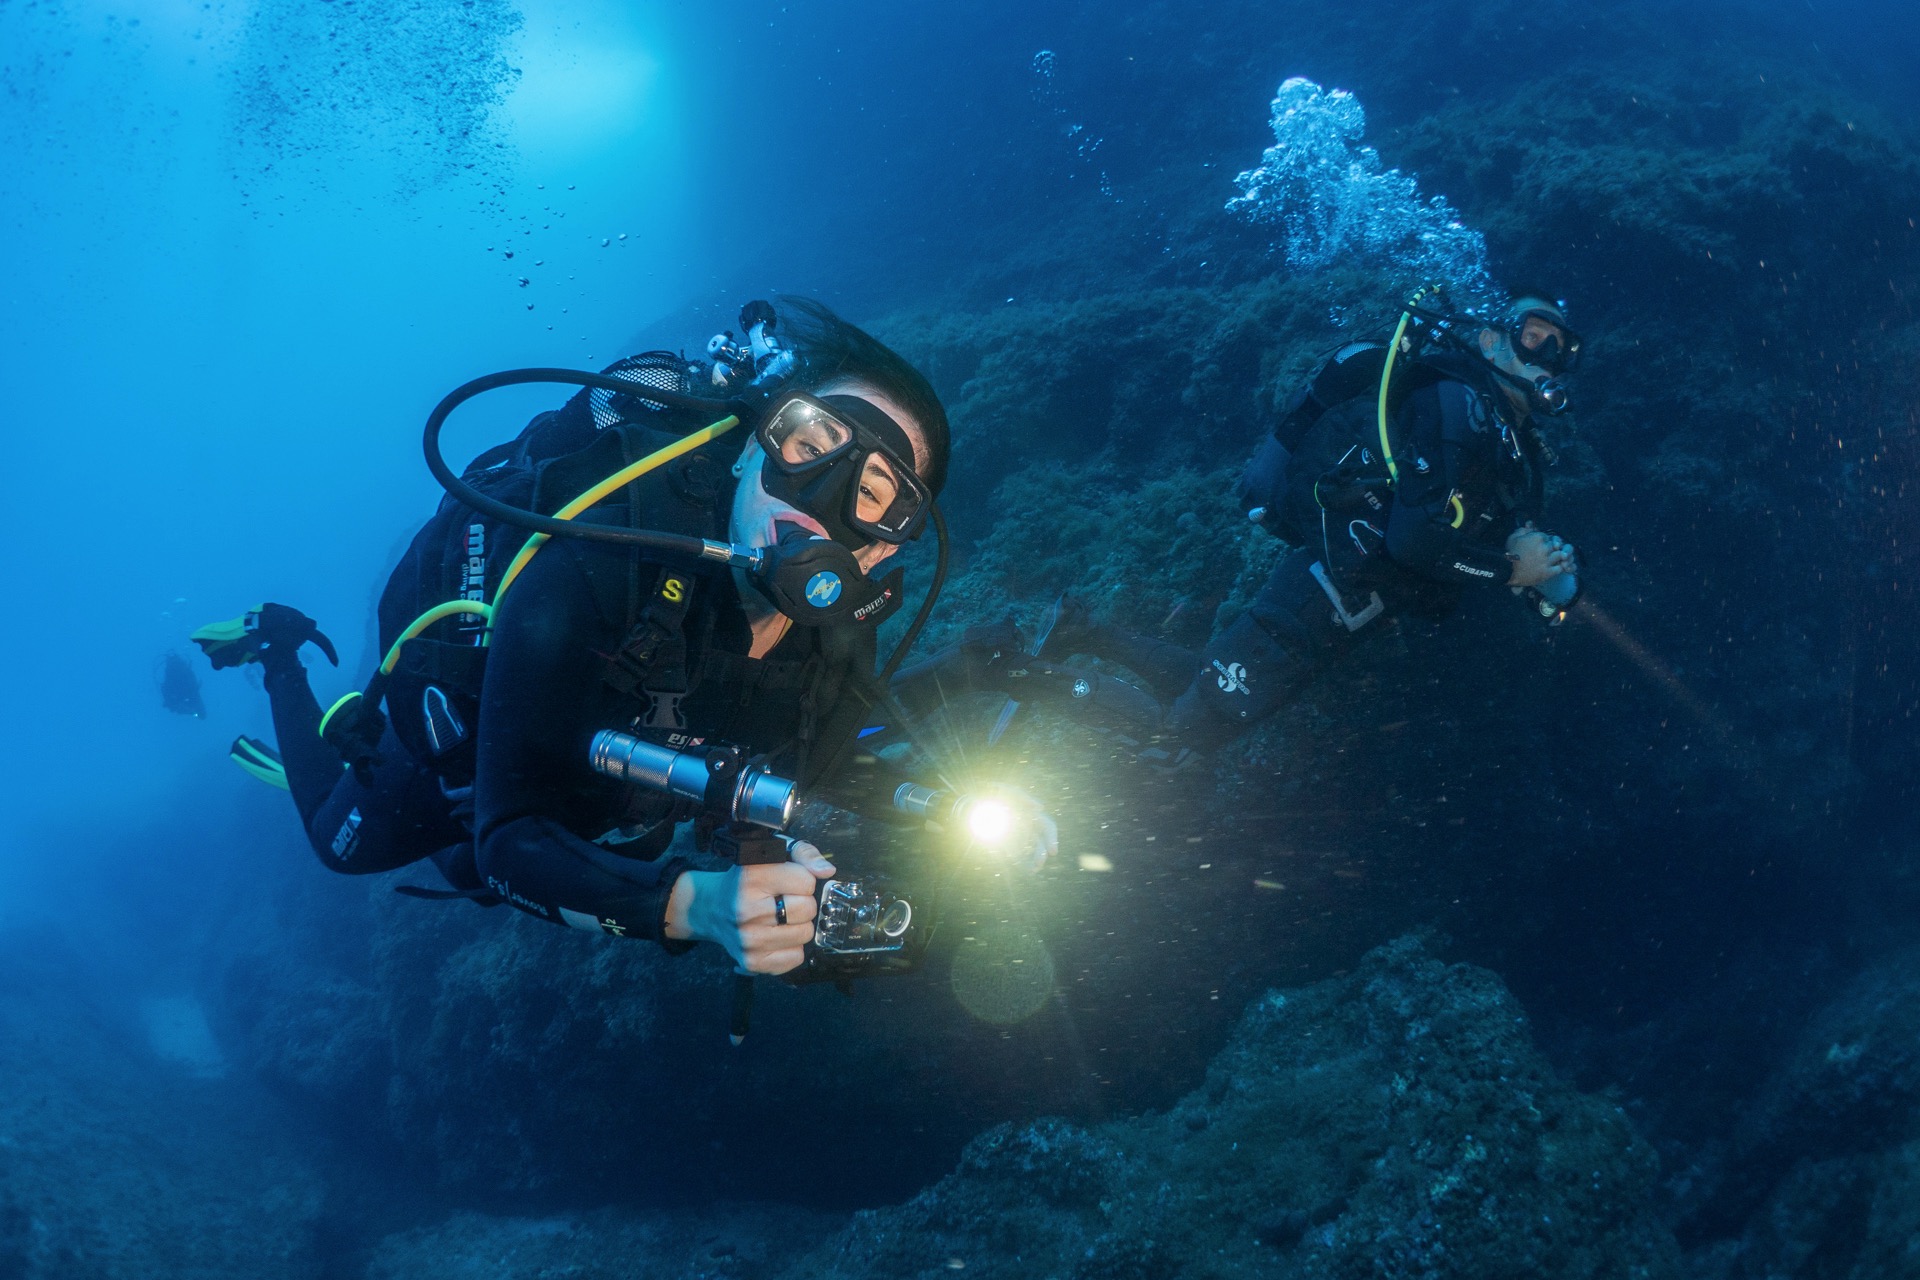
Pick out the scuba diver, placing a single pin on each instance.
(180, 688)
(682, 587)
(1403, 474)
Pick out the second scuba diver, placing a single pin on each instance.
(1404, 474)
(489, 777)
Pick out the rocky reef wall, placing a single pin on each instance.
(1674, 826)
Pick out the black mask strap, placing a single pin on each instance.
(876, 422)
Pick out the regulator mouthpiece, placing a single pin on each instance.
(1552, 395)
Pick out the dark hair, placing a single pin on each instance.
(827, 347)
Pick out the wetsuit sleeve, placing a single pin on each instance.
(1421, 533)
(539, 710)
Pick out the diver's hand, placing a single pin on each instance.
(736, 909)
(1037, 833)
(1536, 557)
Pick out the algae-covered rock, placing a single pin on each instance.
(718, 1242)
(1821, 1177)
(122, 1159)
(1393, 1121)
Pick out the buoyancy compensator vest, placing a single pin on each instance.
(434, 612)
(1333, 448)
(1324, 452)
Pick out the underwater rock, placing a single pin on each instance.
(120, 1159)
(1822, 1175)
(720, 1240)
(1393, 1121)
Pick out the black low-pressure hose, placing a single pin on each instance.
(679, 545)
(919, 623)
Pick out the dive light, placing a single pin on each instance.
(985, 818)
(719, 779)
(716, 777)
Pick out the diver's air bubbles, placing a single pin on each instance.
(1003, 975)
(1334, 202)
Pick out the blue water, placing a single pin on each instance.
(251, 244)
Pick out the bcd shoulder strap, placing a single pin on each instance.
(652, 658)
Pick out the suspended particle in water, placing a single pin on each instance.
(529, 306)
(523, 281)
(569, 186)
(507, 252)
(538, 262)
(604, 243)
(623, 235)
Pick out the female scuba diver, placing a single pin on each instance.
(761, 637)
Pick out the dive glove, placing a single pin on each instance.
(244, 639)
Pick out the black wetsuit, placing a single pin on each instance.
(589, 637)
(1468, 477)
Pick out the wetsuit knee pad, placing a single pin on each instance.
(1246, 673)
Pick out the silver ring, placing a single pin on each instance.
(779, 908)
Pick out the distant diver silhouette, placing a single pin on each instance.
(180, 688)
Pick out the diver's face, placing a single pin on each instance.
(757, 516)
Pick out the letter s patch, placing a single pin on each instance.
(673, 590)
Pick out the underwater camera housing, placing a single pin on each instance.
(865, 926)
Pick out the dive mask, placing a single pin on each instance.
(1542, 339)
(844, 462)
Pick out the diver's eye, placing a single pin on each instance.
(876, 490)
